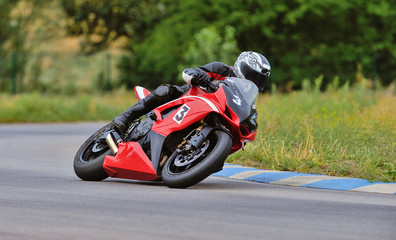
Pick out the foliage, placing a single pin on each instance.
(22, 38)
(103, 22)
(5, 28)
(8, 30)
(303, 39)
(209, 46)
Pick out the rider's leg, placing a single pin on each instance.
(141, 107)
(161, 95)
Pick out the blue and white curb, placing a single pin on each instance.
(305, 180)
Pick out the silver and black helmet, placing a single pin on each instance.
(254, 67)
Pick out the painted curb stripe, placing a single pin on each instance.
(229, 171)
(274, 176)
(305, 180)
(301, 180)
(339, 184)
(248, 174)
(389, 188)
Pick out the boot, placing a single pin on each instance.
(143, 106)
(161, 95)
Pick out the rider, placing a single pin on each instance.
(249, 65)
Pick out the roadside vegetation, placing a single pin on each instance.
(35, 107)
(349, 133)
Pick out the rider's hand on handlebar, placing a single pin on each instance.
(202, 79)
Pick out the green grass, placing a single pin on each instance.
(35, 107)
(347, 133)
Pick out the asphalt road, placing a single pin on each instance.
(41, 198)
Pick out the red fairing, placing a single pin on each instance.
(141, 92)
(192, 108)
(130, 162)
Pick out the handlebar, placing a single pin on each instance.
(210, 86)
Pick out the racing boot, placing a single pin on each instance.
(161, 95)
(143, 106)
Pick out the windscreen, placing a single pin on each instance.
(241, 96)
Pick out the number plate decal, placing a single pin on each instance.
(181, 113)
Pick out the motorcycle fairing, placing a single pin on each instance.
(130, 162)
(156, 144)
(197, 111)
(141, 92)
(198, 108)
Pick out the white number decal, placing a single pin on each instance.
(181, 114)
(237, 100)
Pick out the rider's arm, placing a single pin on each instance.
(194, 76)
(218, 70)
(214, 70)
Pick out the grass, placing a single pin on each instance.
(348, 133)
(34, 107)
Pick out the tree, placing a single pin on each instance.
(209, 45)
(103, 22)
(301, 38)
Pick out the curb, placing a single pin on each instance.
(305, 180)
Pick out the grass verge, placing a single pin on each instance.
(349, 134)
(35, 107)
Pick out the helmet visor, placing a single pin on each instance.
(260, 79)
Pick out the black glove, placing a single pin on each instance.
(200, 78)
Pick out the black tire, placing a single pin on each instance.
(88, 164)
(210, 158)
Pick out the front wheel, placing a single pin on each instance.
(184, 169)
(88, 162)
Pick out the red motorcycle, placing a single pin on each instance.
(181, 142)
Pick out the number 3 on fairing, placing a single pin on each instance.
(181, 113)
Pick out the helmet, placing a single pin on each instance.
(254, 67)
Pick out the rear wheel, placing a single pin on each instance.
(186, 168)
(88, 162)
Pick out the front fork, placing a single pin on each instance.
(112, 139)
(195, 139)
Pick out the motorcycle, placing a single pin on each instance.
(180, 142)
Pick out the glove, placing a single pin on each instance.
(200, 78)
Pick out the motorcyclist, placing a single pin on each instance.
(249, 65)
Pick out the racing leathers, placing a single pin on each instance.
(211, 71)
(198, 76)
